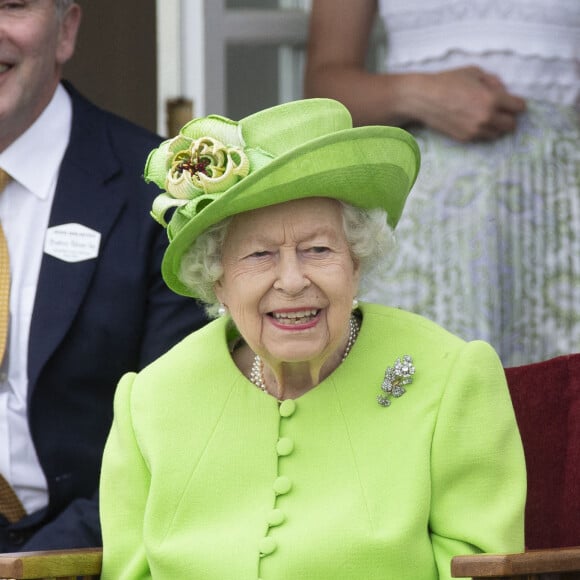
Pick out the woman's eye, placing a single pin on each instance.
(318, 249)
(259, 254)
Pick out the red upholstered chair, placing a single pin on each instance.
(546, 399)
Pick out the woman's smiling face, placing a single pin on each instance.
(289, 280)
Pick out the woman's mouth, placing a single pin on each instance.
(295, 317)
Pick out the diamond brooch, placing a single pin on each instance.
(396, 378)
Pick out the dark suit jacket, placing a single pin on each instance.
(94, 320)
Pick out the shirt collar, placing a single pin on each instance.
(44, 142)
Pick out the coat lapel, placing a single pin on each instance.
(81, 197)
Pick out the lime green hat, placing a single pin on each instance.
(216, 168)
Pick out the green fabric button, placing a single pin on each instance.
(282, 485)
(285, 446)
(287, 408)
(267, 546)
(276, 518)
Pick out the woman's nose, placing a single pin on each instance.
(290, 274)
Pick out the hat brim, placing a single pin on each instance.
(368, 167)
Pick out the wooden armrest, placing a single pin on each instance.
(565, 561)
(52, 564)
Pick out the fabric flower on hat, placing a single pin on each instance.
(205, 159)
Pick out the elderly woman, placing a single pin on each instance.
(302, 435)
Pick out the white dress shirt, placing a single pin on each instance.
(33, 161)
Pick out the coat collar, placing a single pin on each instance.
(81, 197)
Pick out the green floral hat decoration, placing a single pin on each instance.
(216, 168)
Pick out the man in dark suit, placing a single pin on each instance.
(87, 301)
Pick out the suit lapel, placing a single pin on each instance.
(81, 197)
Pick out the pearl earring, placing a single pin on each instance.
(354, 303)
(222, 310)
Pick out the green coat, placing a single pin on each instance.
(207, 477)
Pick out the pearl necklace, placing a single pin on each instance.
(257, 370)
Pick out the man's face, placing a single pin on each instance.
(34, 44)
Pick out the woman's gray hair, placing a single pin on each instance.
(369, 237)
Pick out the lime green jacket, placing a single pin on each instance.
(207, 477)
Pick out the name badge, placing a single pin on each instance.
(72, 242)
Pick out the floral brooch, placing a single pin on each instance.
(396, 378)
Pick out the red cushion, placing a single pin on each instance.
(546, 399)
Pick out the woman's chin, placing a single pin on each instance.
(294, 355)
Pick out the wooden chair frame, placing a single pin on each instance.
(553, 564)
(52, 565)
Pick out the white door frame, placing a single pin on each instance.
(192, 37)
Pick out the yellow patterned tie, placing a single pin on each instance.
(4, 278)
(10, 506)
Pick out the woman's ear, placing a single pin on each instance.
(218, 289)
(356, 273)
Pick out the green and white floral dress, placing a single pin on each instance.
(489, 244)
